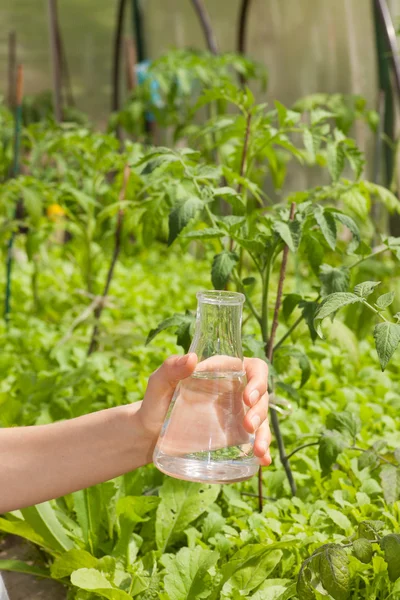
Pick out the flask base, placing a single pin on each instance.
(201, 471)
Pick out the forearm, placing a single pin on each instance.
(48, 461)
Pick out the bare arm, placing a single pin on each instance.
(47, 461)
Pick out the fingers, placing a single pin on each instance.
(257, 380)
(256, 415)
(162, 384)
(262, 444)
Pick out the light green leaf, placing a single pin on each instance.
(335, 160)
(43, 519)
(387, 338)
(339, 519)
(252, 574)
(18, 566)
(222, 266)
(357, 201)
(187, 574)
(362, 549)
(328, 226)
(33, 203)
(181, 503)
(334, 571)
(181, 214)
(22, 529)
(344, 422)
(136, 508)
(388, 199)
(94, 581)
(305, 590)
(370, 529)
(385, 300)
(212, 524)
(331, 304)
(290, 233)
(330, 446)
(352, 226)
(302, 359)
(71, 561)
(390, 481)
(390, 544)
(274, 589)
(366, 288)
(313, 251)
(87, 506)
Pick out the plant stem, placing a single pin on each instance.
(382, 458)
(56, 62)
(377, 251)
(264, 301)
(288, 456)
(206, 25)
(374, 310)
(117, 247)
(243, 163)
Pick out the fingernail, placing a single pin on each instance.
(263, 447)
(254, 397)
(183, 360)
(256, 422)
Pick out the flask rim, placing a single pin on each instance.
(221, 297)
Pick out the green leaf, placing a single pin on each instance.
(344, 422)
(334, 279)
(181, 503)
(352, 226)
(212, 524)
(339, 519)
(370, 529)
(18, 566)
(390, 480)
(331, 304)
(389, 200)
(222, 266)
(136, 508)
(43, 519)
(187, 574)
(387, 338)
(181, 214)
(304, 587)
(309, 310)
(366, 288)
(328, 226)
(334, 571)
(289, 304)
(357, 202)
(290, 233)
(249, 281)
(362, 549)
(330, 446)
(302, 359)
(176, 321)
(94, 581)
(22, 529)
(33, 204)
(71, 561)
(313, 251)
(204, 234)
(385, 300)
(336, 157)
(390, 545)
(254, 573)
(275, 589)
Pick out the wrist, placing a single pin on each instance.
(142, 438)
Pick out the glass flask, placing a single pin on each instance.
(203, 438)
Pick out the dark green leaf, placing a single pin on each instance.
(334, 279)
(387, 338)
(308, 312)
(344, 422)
(302, 359)
(289, 304)
(290, 233)
(249, 281)
(390, 481)
(331, 304)
(177, 321)
(330, 446)
(334, 571)
(370, 529)
(222, 267)
(390, 544)
(181, 214)
(385, 300)
(366, 288)
(362, 549)
(369, 458)
(328, 226)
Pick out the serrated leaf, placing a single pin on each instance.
(331, 304)
(385, 300)
(390, 481)
(352, 226)
(344, 422)
(357, 201)
(222, 266)
(389, 200)
(309, 310)
(304, 587)
(187, 573)
(253, 574)
(181, 214)
(177, 321)
(331, 444)
(181, 503)
(289, 232)
(362, 549)
(313, 251)
(328, 226)
(387, 338)
(390, 544)
(335, 160)
(334, 571)
(275, 589)
(302, 359)
(369, 458)
(94, 581)
(366, 288)
(334, 279)
(289, 304)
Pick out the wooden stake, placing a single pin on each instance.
(130, 63)
(12, 62)
(55, 58)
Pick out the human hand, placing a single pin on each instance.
(194, 412)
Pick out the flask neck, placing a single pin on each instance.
(218, 331)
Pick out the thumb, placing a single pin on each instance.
(161, 388)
